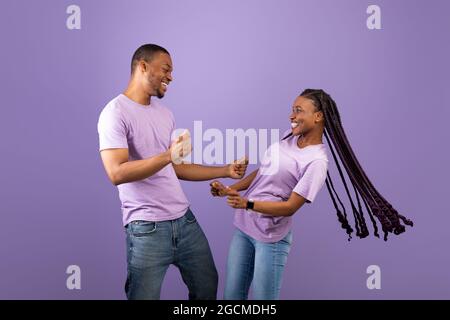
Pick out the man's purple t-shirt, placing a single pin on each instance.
(285, 168)
(145, 131)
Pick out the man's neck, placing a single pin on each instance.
(135, 93)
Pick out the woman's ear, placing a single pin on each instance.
(319, 117)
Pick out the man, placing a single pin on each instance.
(135, 146)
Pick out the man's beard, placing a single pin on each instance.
(159, 94)
(157, 90)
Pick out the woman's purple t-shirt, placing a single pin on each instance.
(285, 168)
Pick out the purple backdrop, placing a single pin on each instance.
(238, 64)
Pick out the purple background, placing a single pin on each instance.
(238, 64)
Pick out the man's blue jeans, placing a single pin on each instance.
(251, 260)
(153, 246)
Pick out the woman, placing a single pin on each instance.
(263, 216)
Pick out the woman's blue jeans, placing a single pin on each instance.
(254, 261)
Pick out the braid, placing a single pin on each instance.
(359, 224)
(375, 204)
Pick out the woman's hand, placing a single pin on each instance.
(218, 189)
(235, 200)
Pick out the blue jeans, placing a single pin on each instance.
(251, 260)
(153, 246)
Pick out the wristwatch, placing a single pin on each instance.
(250, 204)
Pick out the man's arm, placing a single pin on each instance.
(120, 170)
(196, 172)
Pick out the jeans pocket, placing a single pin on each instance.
(142, 228)
(189, 216)
(287, 239)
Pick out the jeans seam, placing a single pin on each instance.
(275, 270)
(174, 235)
(247, 274)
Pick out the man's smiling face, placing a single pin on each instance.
(157, 74)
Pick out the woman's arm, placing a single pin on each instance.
(273, 208)
(219, 190)
(243, 184)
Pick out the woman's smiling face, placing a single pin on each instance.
(305, 116)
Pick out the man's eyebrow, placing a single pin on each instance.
(297, 106)
(170, 67)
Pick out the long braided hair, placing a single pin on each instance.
(363, 189)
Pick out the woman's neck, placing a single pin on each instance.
(308, 139)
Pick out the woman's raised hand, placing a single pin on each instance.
(218, 189)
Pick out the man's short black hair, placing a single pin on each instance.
(146, 53)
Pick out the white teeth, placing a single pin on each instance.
(164, 84)
(294, 125)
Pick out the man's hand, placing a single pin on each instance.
(218, 189)
(235, 200)
(180, 148)
(237, 169)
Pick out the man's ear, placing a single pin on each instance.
(143, 66)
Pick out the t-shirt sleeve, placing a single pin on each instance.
(312, 180)
(112, 131)
(286, 133)
(172, 131)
